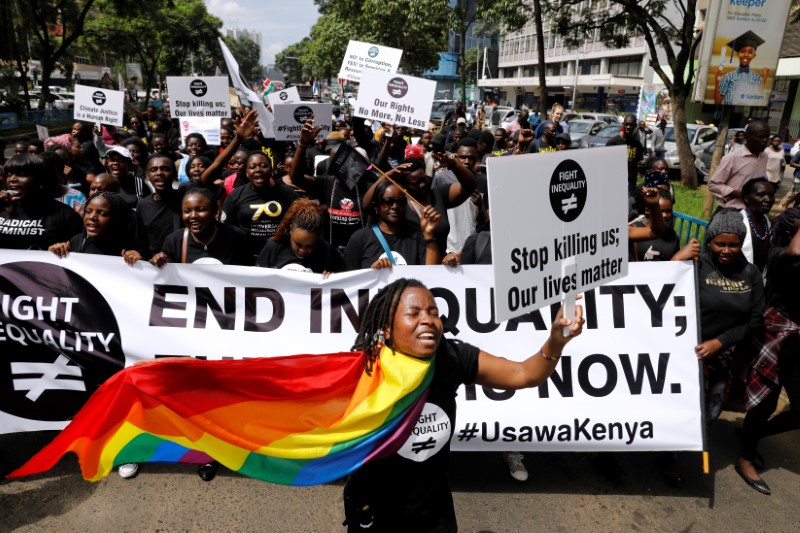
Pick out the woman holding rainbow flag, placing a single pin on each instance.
(408, 490)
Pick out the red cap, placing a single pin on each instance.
(415, 151)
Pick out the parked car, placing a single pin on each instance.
(440, 109)
(699, 135)
(580, 128)
(498, 115)
(601, 137)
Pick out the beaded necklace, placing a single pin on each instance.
(753, 226)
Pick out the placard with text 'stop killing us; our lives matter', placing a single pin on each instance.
(395, 99)
(195, 97)
(559, 225)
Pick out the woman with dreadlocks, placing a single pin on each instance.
(108, 229)
(297, 243)
(408, 490)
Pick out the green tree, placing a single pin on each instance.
(291, 61)
(54, 25)
(131, 35)
(418, 27)
(247, 54)
(482, 16)
(668, 27)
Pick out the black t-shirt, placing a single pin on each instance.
(661, 249)
(364, 247)
(409, 491)
(37, 224)
(155, 219)
(345, 206)
(542, 144)
(134, 188)
(258, 213)
(83, 244)
(229, 247)
(277, 254)
(635, 154)
(783, 291)
(440, 199)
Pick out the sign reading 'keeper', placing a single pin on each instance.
(559, 225)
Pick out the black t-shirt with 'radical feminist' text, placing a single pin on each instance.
(36, 225)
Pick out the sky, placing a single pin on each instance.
(281, 22)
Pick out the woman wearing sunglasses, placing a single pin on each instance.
(391, 239)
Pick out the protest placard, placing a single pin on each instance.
(395, 99)
(559, 225)
(42, 132)
(361, 56)
(289, 120)
(286, 96)
(94, 104)
(208, 127)
(192, 97)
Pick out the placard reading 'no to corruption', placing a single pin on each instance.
(395, 99)
(289, 120)
(194, 97)
(559, 225)
(94, 104)
(361, 56)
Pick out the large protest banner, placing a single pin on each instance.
(629, 382)
(740, 50)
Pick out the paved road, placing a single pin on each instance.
(564, 493)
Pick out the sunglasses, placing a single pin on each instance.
(389, 201)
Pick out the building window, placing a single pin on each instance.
(625, 67)
(590, 66)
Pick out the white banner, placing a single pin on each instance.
(195, 97)
(576, 200)
(94, 104)
(361, 56)
(208, 127)
(629, 382)
(395, 99)
(42, 132)
(265, 118)
(289, 120)
(286, 96)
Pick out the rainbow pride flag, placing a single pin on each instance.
(299, 420)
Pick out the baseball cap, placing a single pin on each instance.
(121, 150)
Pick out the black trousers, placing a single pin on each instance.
(757, 422)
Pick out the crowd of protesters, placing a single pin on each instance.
(135, 193)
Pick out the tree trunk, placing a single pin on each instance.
(719, 148)
(685, 155)
(463, 67)
(47, 72)
(537, 14)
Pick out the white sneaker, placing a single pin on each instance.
(515, 466)
(130, 470)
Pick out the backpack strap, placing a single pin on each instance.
(382, 240)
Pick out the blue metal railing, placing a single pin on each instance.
(688, 227)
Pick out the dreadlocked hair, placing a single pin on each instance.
(378, 317)
(121, 219)
(303, 214)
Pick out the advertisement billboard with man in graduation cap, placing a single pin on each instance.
(740, 50)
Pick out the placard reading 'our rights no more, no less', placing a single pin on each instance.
(559, 225)
(395, 99)
(94, 104)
